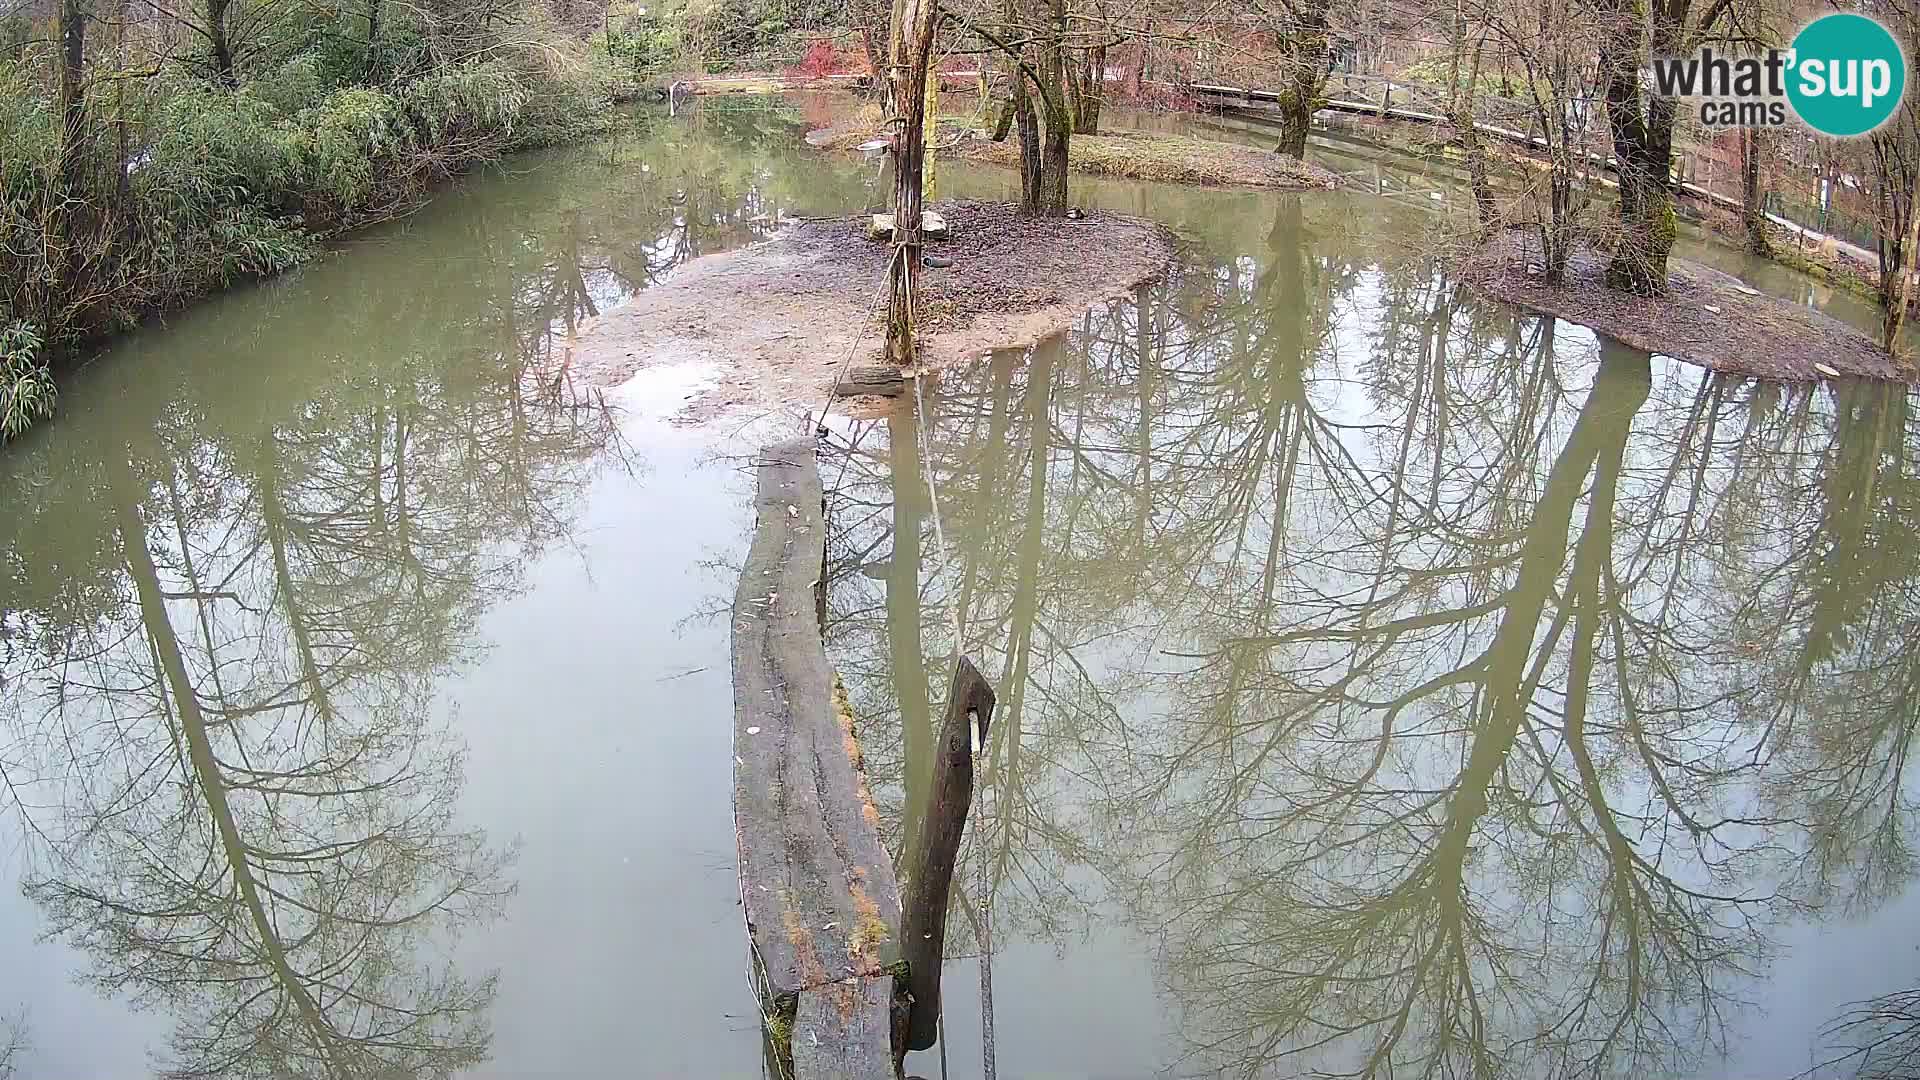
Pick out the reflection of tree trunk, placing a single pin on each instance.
(1026, 595)
(403, 523)
(1002, 365)
(1432, 359)
(207, 772)
(1590, 565)
(903, 615)
(1143, 477)
(1622, 386)
(1003, 772)
(1599, 436)
(378, 439)
(402, 513)
(273, 514)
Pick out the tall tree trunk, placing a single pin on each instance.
(1898, 293)
(1753, 194)
(1895, 179)
(865, 19)
(1460, 111)
(217, 37)
(1306, 77)
(1088, 81)
(1137, 71)
(1050, 193)
(376, 60)
(1642, 129)
(909, 54)
(1027, 127)
(65, 212)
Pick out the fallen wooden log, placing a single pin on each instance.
(932, 226)
(821, 902)
(877, 380)
(930, 876)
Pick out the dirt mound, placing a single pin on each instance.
(1707, 317)
(778, 319)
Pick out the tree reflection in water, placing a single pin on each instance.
(222, 732)
(1446, 694)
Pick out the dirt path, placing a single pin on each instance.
(1707, 318)
(777, 319)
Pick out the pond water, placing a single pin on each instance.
(1389, 684)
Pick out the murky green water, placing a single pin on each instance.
(1392, 686)
(1385, 679)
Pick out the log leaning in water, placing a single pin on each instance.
(930, 875)
(821, 901)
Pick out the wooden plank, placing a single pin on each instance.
(836, 1028)
(821, 902)
(877, 379)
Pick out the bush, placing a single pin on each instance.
(26, 387)
(204, 185)
(824, 56)
(646, 46)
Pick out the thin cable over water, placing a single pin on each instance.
(981, 877)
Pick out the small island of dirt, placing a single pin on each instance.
(780, 318)
(1707, 317)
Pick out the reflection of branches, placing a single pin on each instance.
(247, 795)
(13, 1043)
(1877, 1039)
(1397, 665)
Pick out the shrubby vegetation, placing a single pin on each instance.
(26, 389)
(173, 158)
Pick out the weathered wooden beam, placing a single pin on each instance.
(937, 849)
(821, 902)
(836, 1026)
(880, 381)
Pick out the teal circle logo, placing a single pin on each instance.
(1847, 75)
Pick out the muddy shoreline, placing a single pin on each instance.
(778, 320)
(1707, 317)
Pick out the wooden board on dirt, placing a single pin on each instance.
(878, 380)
